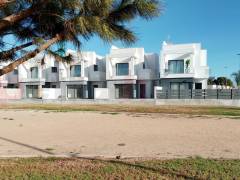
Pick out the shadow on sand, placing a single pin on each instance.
(165, 172)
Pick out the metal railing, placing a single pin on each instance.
(198, 94)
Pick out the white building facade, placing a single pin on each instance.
(79, 77)
(37, 74)
(183, 66)
(130, 73)
(125, 73)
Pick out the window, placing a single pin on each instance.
(144, 66)
(12, 86)
(198, 85)
(75, 71)
(95, 67)
(54, 70)
(34, 72)
(32, 91)
(176, 66)
(75, 91)
(122, 69)
(15, 72)
(47, 85)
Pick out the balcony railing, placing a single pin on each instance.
(186, 71)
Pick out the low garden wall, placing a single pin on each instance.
(10, 94)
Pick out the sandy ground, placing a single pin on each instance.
(46, 133)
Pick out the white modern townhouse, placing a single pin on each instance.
(125, 73)
(38, 76)
(183, 66)
(82, 75)
(9, 80)
(130, 73)
(9, 87)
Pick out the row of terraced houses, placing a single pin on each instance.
(123, 73)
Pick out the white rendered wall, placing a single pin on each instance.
(51, 93)
(101, 93)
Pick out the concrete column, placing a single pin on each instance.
(82, 69)
(39, 91)
(85, 91)
(134, 91)
(63, 87)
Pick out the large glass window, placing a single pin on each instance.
(75, 71)
(32, 91)
(75, 91)
(176, 66)
(34, 72)
(124, 91)
(122, 69)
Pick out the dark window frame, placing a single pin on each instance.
(54, 69)
(95, 67)
(144, 66)
(118, 69)
(176, 61)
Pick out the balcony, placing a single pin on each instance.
(73, 78)
(188, 73)
(29, 80)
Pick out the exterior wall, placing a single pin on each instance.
(101, 93)
(10, 94)
(47, 73)
(143, 69)
(198, 70)
(3, 81)
(10, 78)
(24, 73)
(89, 77)
(51, 93)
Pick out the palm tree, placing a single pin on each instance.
(236, 77)
(39, 24)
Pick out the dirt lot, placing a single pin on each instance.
(46, 133)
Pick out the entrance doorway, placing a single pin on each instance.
(142, 91)
(124, 91)
(75, 91)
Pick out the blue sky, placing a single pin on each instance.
(214, 23)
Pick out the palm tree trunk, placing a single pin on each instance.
(5, 2)
(28, 56)
(9, 20)
(13, 18)
(4, 55)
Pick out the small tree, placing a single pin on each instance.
(236, 77)
(211, 81)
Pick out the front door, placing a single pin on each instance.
(142, 91)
